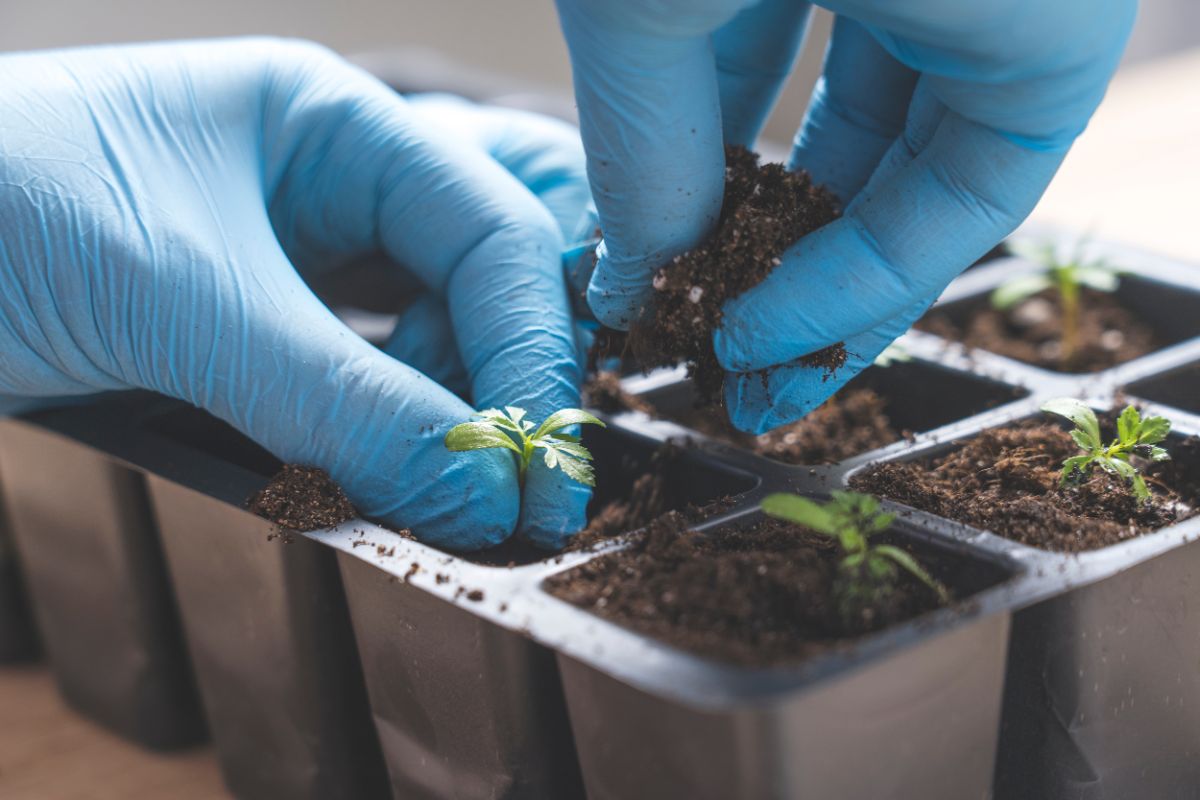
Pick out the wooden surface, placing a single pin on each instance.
(1133, 176)
(49, 753)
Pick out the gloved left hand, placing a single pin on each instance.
(162, 207)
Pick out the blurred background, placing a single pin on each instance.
(516, 41)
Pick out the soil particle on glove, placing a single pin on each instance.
(757, 595)
(302, 499)
(766, 210)
(1031, 331)
(1006, 480)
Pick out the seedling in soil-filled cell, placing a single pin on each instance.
(508, 429)
(1136, 436)
(1065, 277)
(868, 573)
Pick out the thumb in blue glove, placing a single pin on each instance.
(158, 226)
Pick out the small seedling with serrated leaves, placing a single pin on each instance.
(508, 429)
(1136, 436)
(867, 572)
(1067, 277)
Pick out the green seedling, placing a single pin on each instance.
(510, 430)
(1136, 436)
(1066, 277)
(867, 572)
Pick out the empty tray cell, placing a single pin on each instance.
(1179, 388)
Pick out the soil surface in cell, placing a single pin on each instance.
(307, 499)
(1006, 480)
(850, 423)
(766, 210)
(1031, 331)
(757, 595)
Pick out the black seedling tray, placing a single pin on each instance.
(91, 559)
(18, 638)
(482, 684)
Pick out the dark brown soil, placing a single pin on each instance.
(758, 595)
(1006, 480)
(307, 499)
(302, 499)
(766, 210)
(1031, 331)
(845, 425)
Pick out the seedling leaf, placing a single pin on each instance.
(510, 430)
(1011, 292)
(481, 435)
(564, 418)
(1078, 412)
(801, 511)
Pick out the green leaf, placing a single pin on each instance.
(481, 435)
(1038, 251)
(1083, 441)
(1097, 277)
(1159, 454)
(1153, 430)
(1078, 412)
(1140, 490)
(801, 511)
(909, 563)
(514, 413)
(498, 417)
(576, 470)
(551, 458)
(1119, 465)
(881, 522)
(1075, 464)
(563, 418)
(1128, 424)
(570, 448)
(565, 437)
(1016, 289)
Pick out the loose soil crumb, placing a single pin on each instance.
(302, 499)
(758, 595)
(1006, 480)
(325, 505)
(846, 425)
(1031, 331)
(766, 210)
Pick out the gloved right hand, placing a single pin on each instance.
(161, 208)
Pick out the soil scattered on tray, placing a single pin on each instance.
(307, 499)
(757, 595)
(302, 499)
(1031, 331)
(1006, 480)
(766, 210)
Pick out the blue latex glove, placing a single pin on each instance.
(939, 124)
(161, 208)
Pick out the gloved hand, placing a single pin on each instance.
(161, 208)
(939, 125)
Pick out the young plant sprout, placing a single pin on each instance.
(1135, 437)
(867, 572)
(509, 429)
(1066, 277)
